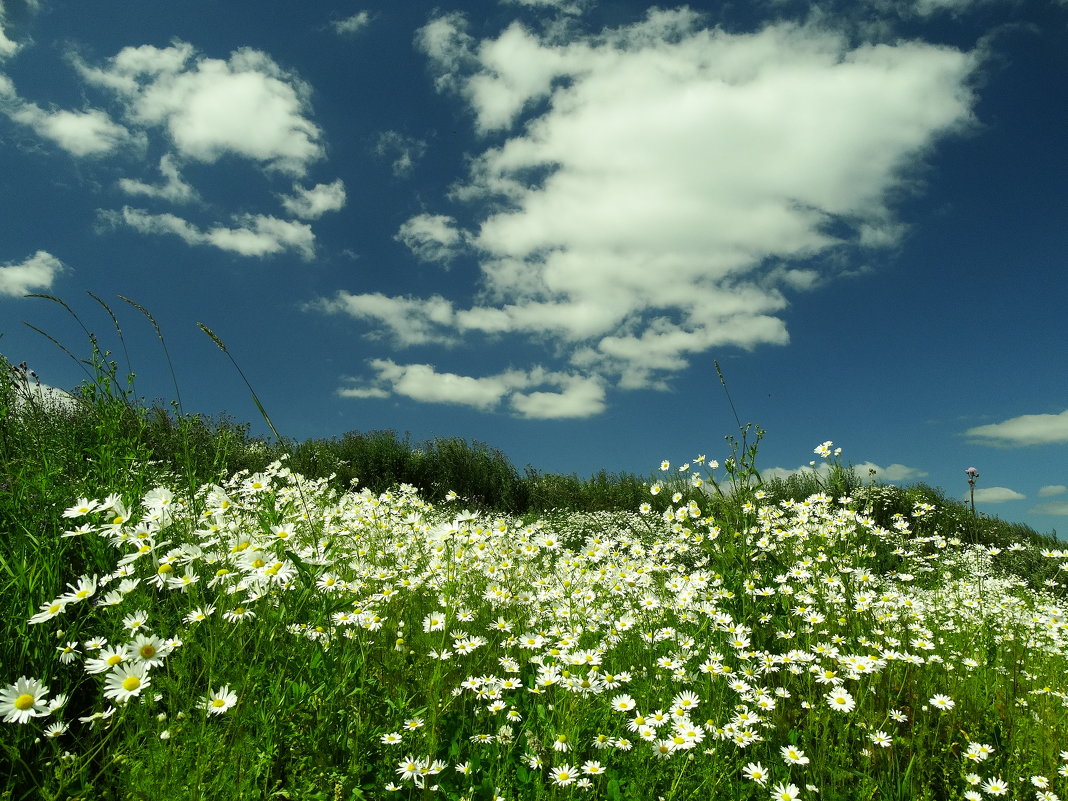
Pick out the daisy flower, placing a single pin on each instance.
(623, 703)
(49, 610)
(840, 700)
(23, 700)
(756, 772)
(793, 756)
(995, 786)
(391, 738)
(564, 775)
(942, 702)
(219, 701)
(126, 681)
(784, 792)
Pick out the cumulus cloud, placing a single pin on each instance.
(402, 151)
(997, 495)
(81, 133)
(173, 188)
(245, 106)
(8, 48)
(1027, 429)
(350, 25)
(311, 204)
(1050, 490)
(566, 6)
(35, 274)
(1051, 508)
(577, 397)
(431, 237)
(891, 474)
(251, 235)
(407, 320)
(650, 192)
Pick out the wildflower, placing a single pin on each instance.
(977, 752)
(898, 716)
(126, 681)
(238, 614)
(149, 650)
(942, 702)
(623, 703)
(784, 792)
(881, 739)
(56, 730)
(68, 652)
(391, 738)
(793, 756)
(840, 700)
(756, 772)
(108, 658)
(84, 506)
(85, 588)
(219, 701)
(199, 614)
(413, 724)
(409, 768)
(995, 786)
(564, 775)
(23, 700)
(49, 611)
(560, 744)
(137, 620)
(592, 768)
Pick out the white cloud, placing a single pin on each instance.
(653, 191)
(1051, 490)
(655, 183)
(173, 187)
(349, 25)
(403, 151)
(80, 133)
(245, 106)
(580, 397)
(409, 321)
(253, 234)
(35, 274)
(1027, 429)
(431, 237)
(1051, 508)
(890, 474)
(577, 396)
(311, 204)
(996, 495)
(566, 6)
(8, 48)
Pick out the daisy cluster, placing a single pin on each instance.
(584, 647)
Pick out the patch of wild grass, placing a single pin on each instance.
(173, 625)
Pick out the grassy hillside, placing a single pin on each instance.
(193, 612)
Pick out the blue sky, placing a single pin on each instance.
(536, 223)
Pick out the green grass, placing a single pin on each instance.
(349, 599)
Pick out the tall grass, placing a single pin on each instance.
(216, 616)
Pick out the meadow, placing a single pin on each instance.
(191, 612)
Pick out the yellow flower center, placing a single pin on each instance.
(217, 702)
(222, 571)
(166, 568)
(239, 547)
(258, 563)
(131, 683)
(114, 659)
(148, 651)
(24, 701)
